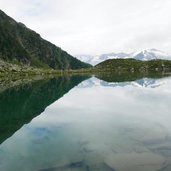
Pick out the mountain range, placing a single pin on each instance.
(143, 55)
(21, 45)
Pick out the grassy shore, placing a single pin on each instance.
(11, 70)
(15, 70)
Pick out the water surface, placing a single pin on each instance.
(79, 123)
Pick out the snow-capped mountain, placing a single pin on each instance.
(143, 55)
(93, 60)
(85, 58)
(150, 54)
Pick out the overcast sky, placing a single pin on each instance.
(97, 26)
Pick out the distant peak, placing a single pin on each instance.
(144, 55)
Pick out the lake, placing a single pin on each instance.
(86, 123)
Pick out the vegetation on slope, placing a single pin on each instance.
(133, 65)
(19, 44)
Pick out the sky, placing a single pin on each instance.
(97, 26)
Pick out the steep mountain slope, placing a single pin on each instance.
(20, 44)
(144, 55)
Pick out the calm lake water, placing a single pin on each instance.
(82, 123)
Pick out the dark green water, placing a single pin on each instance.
(82, 123)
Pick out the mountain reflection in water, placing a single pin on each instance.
(112, 123)
(20, 104)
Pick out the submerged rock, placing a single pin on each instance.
(135, 162)
(72, 166)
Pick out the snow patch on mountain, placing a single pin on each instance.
(150, 54)
(143, 55)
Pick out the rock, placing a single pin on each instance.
(135, 162)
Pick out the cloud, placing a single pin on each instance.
(97, 26)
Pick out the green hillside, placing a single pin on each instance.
(134, 65)
(21, 45)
